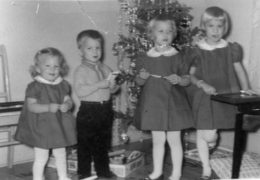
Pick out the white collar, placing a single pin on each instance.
(204, 45)
(42, 80)
(170, 52)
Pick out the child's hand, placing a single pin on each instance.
(112, 79)
(113, 75)
(249, 92)
(112, 83)
(143, 74)
(64, 107)
(53, 107)
(104, 84)
(173, 78)
(208, 89)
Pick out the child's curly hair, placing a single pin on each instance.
(49, 51)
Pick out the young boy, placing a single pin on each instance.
(93, 84)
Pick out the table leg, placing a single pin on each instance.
(239, 145)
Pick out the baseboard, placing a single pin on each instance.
(17, 162)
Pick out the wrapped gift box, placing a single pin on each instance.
(122, 162)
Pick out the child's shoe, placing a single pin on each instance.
(81, 177)
(206, 176)
(159, 178)
(109, 175)
(174, 178)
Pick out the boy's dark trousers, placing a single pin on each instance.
(94, 132)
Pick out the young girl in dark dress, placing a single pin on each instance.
(163, 108)
(217, 68)
(46, 121)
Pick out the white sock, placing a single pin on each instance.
(159, 139)
(40, 159)
(174, 141)
(203, 151)
(61, 163)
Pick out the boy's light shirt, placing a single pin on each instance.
(90, 63)
(42, 80)
(204, 45)
(88, 76)
(170, 52)
(96, 66)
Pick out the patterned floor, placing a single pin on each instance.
(191, 170)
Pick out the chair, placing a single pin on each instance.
(5, 95)
(5, 74)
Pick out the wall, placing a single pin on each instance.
(25, 29)
(27, 26)
(254, 65)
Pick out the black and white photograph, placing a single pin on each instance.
(129, 89)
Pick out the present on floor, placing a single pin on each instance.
(122, 162)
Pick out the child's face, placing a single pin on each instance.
(48, 67)
(163, 33)
(214, 31)
(91, 49)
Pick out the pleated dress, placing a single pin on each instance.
(216, 68)
(162, 106)
(46, 130)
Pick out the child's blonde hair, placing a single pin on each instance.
(215, 13)
(50, 51)
(162, 18)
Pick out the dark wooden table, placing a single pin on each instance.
(246, 104)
